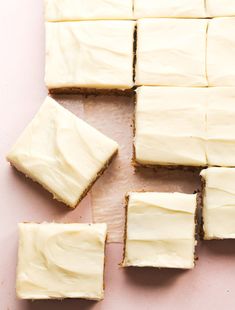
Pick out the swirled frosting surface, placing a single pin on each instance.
(61, 261)
(160, 230)
(61, 152)
(170, 126)
(171, 52)
(219, 203)
(67, 10)
(91, 54)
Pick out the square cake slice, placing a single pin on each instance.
(170, 124)
(62, 153)
(72, 10)
(160, 230)
(169, 8)
(219, 203)
(220, 52)
(89, 54)
(57, 261)
(220, 8)
(220, 144)
(171, 52)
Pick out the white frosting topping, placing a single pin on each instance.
(169, 8)
(61, 261)
(220, 7)
(95, 54)
(61, 152)
(220, 146)
(220, 52)
(160, 230)
(171, 52)
(170, 126)
(219, 203)
(68, 10)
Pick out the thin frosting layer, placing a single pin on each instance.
(160, 230)
(69, 10)
(169, 8)
(61, 261)
(171, 52)
(61, 152)
(219, 203)
(170, 126)
(90, 54)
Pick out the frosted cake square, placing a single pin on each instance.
(62, 153)
(171, 52)
(170, 126)
(89, 55)
(218, 203)
(57, 261)
(160, 230)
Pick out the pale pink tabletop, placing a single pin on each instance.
(211, 285)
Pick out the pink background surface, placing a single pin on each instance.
(211, 285)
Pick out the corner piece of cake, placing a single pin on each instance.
(62, 153)
(160, 230)
(170, 126)
(169, 8)
(71, 10)
(89, 56)
(218, 203)
(57, 261)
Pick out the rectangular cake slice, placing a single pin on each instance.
(74, 10)
(169, 8)
(160, 230)
(89, 54)
(62, 153)
(220, 145)
(171, 52)
(170, 124)
(220, 51)
(219, 203)
(57, 261)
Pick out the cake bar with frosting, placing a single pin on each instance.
(178, 126)
(170, 126)
(171, 52)
(218, 203)
(57, 261)
(62, 153)
(160, 230)
(89, 55)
